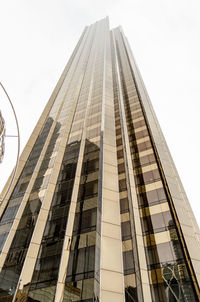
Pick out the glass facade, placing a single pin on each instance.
(96, 213)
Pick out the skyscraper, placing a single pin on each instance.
(97, 211)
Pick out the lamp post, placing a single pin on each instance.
(18, 147)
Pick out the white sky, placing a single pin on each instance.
(38, 36)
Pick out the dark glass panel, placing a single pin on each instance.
(139, 124)
(131, 294)
(128, 262)
(146, 160)
(159, 254)
(121, 168)
(157, 222)
(124, 205)
(152, 197)
(122, 185)
(41, 292)
(33, 206)
(141, 134)
(118, 131)
(3, 239)
(47, 266)
(173, 290)
(88, 190)
(151, 176)
(85, 221)
(119, 142)
(91, 165)
(144, 146)
(126, 230)
(82, 290)
(120, 154)
(81, 264)
(9, 213)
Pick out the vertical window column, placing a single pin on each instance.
(143, 279)
(111, 266)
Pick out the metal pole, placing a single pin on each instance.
(18, 149)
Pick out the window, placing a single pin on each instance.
(126, 230)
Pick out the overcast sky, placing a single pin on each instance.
(38, 36)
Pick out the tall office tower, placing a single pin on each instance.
(97, 211)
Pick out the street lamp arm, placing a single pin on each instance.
(18, 148)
